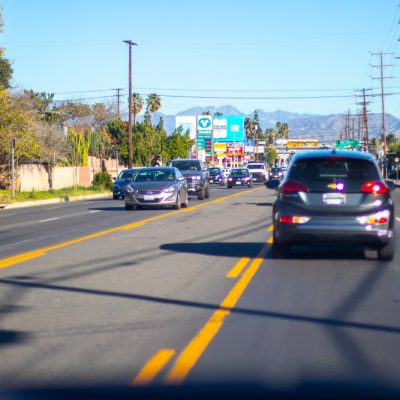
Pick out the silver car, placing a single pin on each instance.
(157, 186)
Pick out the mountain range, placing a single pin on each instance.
(326, 128)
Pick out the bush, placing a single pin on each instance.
(103, 179)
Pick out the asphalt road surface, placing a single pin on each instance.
(92, 294)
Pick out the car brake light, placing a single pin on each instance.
(293, 187)
(295, 219)
(374, 187)
(381, 217)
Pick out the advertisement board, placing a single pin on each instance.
(204, 125)
(230, 128)
(188, 123)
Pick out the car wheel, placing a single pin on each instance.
(139, 207)
(222, 183)
(177, 205)
(386, 252)
(200, 196)
(128, 206)
(207, 192)
(186, 203)
(115, 197)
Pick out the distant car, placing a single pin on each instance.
(276, 173)
(239, 177)
(157, 186)
(197, 176)
(121, 182)
(216, 176)
(333, 198)
(259, 171)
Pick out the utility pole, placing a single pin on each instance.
(381, 54)
(118, 101)
(130, 153)
(363, 117)
(13, 167)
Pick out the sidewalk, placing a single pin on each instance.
(32, 203)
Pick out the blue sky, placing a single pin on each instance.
(210, 48)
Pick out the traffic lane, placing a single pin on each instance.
(42, 226)
(322, 317)
(95, 312)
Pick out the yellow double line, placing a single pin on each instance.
(189, 356)
(30, 255)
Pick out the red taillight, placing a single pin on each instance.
(374, 187)
(293, 219)
(293, 187)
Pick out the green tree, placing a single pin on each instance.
(179, 144)
(249, 127)
(153, 103)
(270, 155)
(283, 130)
(137, 105)
(118, 132)
(6, 71)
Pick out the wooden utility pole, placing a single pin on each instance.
(118, 101)
(382, 78)
(130, 152)
(363, 116)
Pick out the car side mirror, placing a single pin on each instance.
(181, 179)
(273, 184)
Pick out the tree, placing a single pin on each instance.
(160, 125)
(218, 114)
(270, 155)
(249, 127)
(118, 132)
(283, 130)
(137, 105)
(179, 144)
(6, 70)
(147, 117)
(41, 103)
(153, 102)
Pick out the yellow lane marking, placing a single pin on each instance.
(19, 258)
(153, 367)
(270, 240)
(271, 228)
(193, 351)
(238, 268)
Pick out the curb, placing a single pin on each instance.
(33, 203)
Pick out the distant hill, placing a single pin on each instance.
(326, 128)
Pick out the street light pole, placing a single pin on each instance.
(130, 153)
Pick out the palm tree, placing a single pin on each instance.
(137, 105)
(153, 102)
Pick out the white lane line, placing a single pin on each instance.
(8, 215)
(49, 219)
(53, 208)
(94, 211)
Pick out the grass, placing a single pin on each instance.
(5, 195)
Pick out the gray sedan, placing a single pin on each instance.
(157, 186)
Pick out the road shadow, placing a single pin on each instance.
(12, 337)
(251, 249)
(261, 204)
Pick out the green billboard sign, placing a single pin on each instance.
(347, 144)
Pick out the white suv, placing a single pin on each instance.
(259, 171)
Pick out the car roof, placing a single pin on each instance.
(158, 168)
(358, 155)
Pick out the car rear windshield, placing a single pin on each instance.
(320, 173)
(275, 169)
(186, 165)
(239, 172)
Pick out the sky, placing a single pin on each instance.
(305, 56)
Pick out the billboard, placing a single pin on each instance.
(229, 128)
(204, 125)
(187, 122)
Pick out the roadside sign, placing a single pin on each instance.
(347, 144)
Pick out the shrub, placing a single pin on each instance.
(103, 179)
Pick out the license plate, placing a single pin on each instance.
(211, 181)
(148, 197)
(238, 183)
(334, 198)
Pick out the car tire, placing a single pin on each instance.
(139, 207)
(177, 205)
(115, 197)
(207, 192)
(128, 207)
(186, 203)
(386, 252)
(200, 196)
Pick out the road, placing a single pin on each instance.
(91, 294)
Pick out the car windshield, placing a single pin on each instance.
(275, 169)
(319, 173)
(126, 175)
(214, 171)
(154, 176)
(255, 166)
(186, 165)
(239, 172)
